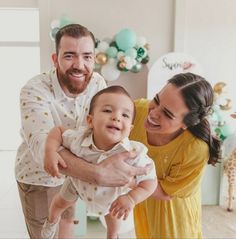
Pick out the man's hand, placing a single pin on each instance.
(52, 161)
(115, 171)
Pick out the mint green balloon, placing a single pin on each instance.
(132, 52)
(111, 52)
(126, 39)
(64, 21)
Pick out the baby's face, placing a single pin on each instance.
(111, 119)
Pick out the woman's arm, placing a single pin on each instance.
(114, 171)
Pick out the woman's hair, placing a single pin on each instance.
(198, 96)
(72, 30)
(115, 89)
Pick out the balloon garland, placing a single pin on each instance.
(125, 52)
(220, 119)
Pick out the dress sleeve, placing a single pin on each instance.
(185, 174)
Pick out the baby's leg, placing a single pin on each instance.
(57, 207)
(113, 226)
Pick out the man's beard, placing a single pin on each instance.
(69, 84)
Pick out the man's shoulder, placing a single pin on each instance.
(41, 79)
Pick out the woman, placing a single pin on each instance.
(174, 128)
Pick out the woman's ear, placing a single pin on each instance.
(90, 121)
(184, 126)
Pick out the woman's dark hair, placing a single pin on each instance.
(72, 30)
(115, 89)
(198, 96)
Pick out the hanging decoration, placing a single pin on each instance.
(57, 24)
(126, 52)
(220, 118)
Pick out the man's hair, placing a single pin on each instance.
(116, 89)
(72, 30)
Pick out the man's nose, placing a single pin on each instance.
(78, 63)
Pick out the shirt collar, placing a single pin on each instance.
(88, 142)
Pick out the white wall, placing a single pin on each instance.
(206, 30)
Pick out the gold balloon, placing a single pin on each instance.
(233, 115)
(218, 87)
(227, 106)
(122, 65)
(147, 46)
(101, 58)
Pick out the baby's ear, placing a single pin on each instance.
(131, 126)
(90, 121)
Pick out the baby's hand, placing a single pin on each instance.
(122, 206)
(52, 160)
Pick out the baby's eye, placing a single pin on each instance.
(125, 115)
(107, 111)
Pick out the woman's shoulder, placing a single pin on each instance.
(194, 144)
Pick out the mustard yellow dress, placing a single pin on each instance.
(179, 166)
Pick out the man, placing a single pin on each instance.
(61, 97)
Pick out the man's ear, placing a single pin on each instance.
(90, 121)
(54, 59)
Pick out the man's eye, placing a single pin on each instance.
(68, 56)
(88, 57)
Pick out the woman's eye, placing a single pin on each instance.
(168, 115)
(156, 99)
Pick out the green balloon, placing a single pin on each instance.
(125, 39)
(53, 33)
(132, 52)
(145, 60)
(111, 52)
(64, 21)
(136, 68)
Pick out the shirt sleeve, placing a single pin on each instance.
(36, 120)
(185, 176)
(142, 160)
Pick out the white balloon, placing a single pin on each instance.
(120, 54)
(110, 72)
(55, 24)
(141, 41)
(102, 46)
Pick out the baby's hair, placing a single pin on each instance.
(115, 89)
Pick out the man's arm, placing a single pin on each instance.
(114, 171)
